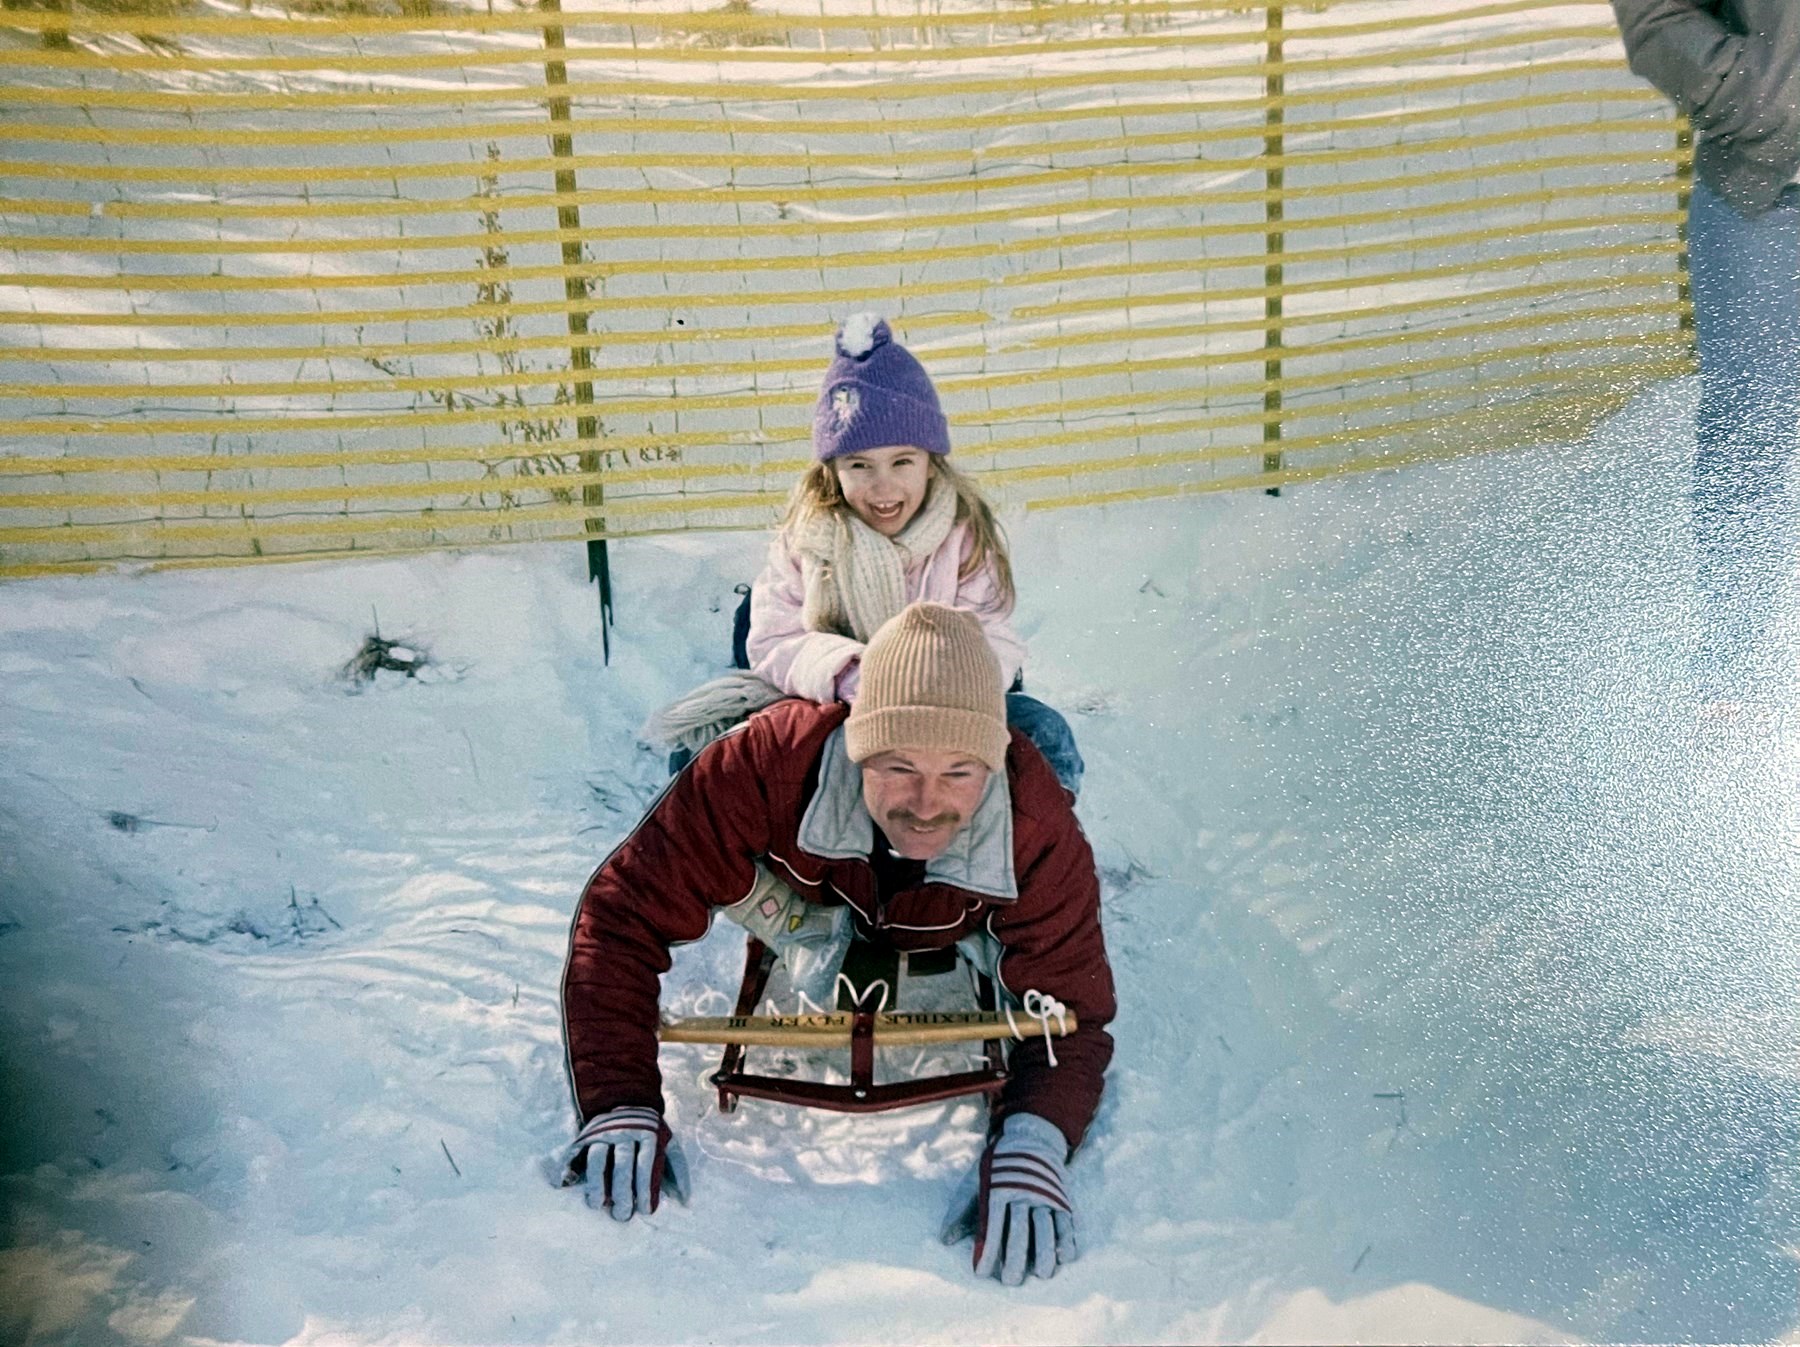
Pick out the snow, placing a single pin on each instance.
(1457, 962)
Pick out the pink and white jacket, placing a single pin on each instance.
(824, 666)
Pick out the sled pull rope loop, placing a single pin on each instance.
(1043, 1009)
(858, 997)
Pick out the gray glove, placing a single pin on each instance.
(809, 938)
(629, 1158)
(1015, 1202)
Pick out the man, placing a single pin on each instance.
(1733, 66)
(918, 816)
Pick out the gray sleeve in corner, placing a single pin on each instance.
(1682, 48)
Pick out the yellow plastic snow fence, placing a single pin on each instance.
(345, 275)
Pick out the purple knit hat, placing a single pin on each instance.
(876, 395)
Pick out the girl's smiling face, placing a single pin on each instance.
(885, 487)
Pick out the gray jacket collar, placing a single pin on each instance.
(979, 858)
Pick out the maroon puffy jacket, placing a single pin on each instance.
(752, 796)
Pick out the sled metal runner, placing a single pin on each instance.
(863, 1029)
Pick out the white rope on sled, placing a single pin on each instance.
(805, 1005)
(856, 997)
(1043, 1009)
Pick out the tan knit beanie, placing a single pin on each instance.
(929, 681)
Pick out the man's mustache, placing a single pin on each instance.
(912, 820)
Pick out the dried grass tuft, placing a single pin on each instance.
(378, 654)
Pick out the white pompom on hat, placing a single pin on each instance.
(857, 336)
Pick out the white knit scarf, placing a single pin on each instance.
(855, 577)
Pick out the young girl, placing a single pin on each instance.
(879, 521)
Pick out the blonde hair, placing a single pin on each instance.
(818, 492)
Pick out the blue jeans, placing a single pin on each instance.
(1046, 728)
(1745, 277)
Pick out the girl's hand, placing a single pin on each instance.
(848, 680)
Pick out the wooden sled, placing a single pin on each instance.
(861, 1027)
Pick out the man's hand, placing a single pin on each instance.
(1015, 1202)
(628, 1157)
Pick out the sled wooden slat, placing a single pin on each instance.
(833, 1029)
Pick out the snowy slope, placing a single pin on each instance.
(1457, 968)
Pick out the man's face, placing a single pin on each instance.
(921, 798)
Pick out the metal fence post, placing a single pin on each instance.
(1273, 241)
(575, 290)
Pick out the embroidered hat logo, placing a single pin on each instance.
(844, 402)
